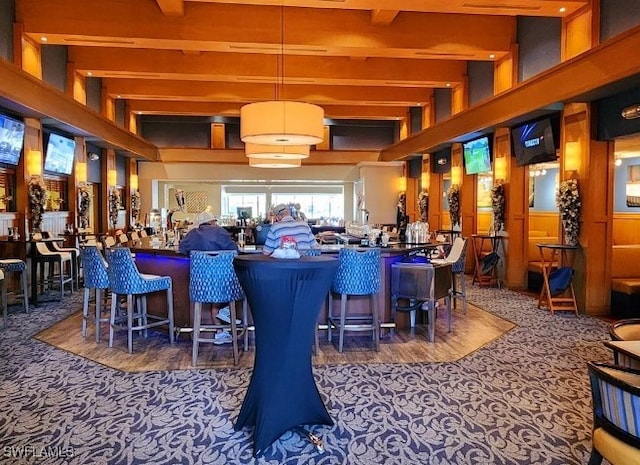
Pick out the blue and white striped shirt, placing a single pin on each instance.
(287, 226)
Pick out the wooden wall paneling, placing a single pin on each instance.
(545, 221)
(218, 136)
(626, 228)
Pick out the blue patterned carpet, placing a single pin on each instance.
(523, 399)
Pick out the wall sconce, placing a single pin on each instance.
(402, 184)
(456, 175)
(618, 161)
(572, 156)
(133, 182)
(425, 181)
(81, 173)
(112, 178)
(500, 169)
(34, 163)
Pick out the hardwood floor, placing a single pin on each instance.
(469, 332)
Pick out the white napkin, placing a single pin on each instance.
(285, 253)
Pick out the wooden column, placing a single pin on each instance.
(595, 166)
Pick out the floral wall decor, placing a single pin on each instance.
(114, 207)
(568, 202)
(453, 197)
(497, 205)
(135, 205)
(38, 197)
(84, 206)
(423, 206)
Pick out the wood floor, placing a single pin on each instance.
(469, 332)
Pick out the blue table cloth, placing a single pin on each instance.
(285, 297)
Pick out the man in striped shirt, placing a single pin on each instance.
(286, 226)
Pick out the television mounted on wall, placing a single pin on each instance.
(11, 140)
(536, 141)
(477, 155)
(60, 154)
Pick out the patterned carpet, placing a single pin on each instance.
(523, 399)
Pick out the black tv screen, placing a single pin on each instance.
(244, 212)
(60, 154)
(477, 155)
(11, 140)
(534, 142)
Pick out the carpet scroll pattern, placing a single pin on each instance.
(523, 399)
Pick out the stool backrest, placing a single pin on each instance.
(212, 277)
(109, 242)
(124, 277)
(616, 401)
(458, 254)
(95, 267)
(358, 272)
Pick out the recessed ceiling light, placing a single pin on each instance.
(118, 96)
(562, 9)
(448, 84)
(89, 73)
(492, 55)
(43, 39)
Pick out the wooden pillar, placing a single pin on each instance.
(460, 96)
(593, 167)
(218, 136)
(516, 226)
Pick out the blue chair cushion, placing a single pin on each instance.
(560, 279)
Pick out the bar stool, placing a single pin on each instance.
(75, 253)
(213, 280)
(96, 278)
(126, 280)
(15, 265)
(358, 274)
(3, 291)
(45, 256)
(456, 258)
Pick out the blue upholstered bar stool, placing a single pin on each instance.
(96, 277)
(358, 274)
(213, 280)
(126, 280)
(15, 265)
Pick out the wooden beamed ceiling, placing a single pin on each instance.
(369, 59)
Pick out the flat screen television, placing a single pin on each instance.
(244, 212)
(477, 155)
(535, 142)
(60, 154)
(11, 140)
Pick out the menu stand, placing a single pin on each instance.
(560, 300)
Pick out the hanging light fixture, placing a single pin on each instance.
(281, 122)
(286, 152)
(274, 163)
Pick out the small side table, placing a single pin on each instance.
(491, 277)
(565, 301)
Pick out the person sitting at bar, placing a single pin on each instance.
(208, 236)
(285, 225)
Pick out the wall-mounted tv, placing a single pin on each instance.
(11, 140)
(535, 141)
(60, 154)
(477, 155)
(244, 212)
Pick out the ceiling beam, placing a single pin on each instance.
(256, 29)
(230, 109)
(46, 101)
(237, 156)
(244, 67)
(200, 91)
(504, 7)
(602, 66)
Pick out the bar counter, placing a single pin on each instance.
(167, 261)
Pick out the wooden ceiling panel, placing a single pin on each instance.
(360, 58)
